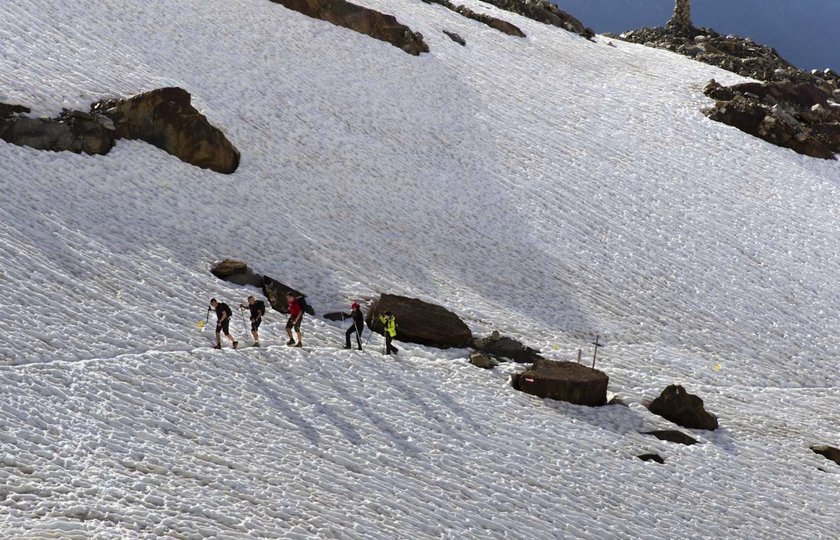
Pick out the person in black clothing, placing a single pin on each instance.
(357, 326)
(223, 315)
(257, 308)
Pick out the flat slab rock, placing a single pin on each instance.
(564, 381)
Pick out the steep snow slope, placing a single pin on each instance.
(548, 187)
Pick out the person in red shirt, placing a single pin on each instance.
(295, 316)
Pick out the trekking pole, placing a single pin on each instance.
(358, 334)
(243, 319)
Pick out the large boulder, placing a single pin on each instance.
(505, 347)
(564, 381)
(421, 322)
(361, 19)
(166, 118)
(236, 272)
(682, 408)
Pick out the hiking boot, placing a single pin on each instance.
(217, 346)
(256, 344)
(299, 344)
(290, 342)
(235, 344)
(347, 347)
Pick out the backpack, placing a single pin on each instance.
(260, 305)
(302, 303)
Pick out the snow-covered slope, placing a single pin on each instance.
(548, 187)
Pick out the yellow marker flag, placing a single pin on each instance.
(200, 324)
(717, 367)
(555, 347)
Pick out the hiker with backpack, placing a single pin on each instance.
(357, 326)
(389, 323)
(257, 308)
(223, 315)
(295, 316)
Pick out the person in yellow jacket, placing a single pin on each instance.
(390, 330)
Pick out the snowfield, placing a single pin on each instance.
(547, 187)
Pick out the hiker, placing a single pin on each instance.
(257, 308)
(390, 331)
(295, 316)
(223, 314)
(357, 326)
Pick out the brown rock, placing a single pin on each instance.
(483, 361)
(421, 322)
(166, 118)
(72, 131)
(828, 451)
(361, 19)
(682, 408)
(564, 381)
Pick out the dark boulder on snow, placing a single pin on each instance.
(276, 293)
(421, 322)
(337, 316)
(72, 131)
(361, 19)
(674, 436)
(236, 272)
(505, 347)
(683, 409)
(166, 118)
(455, 37)
(563, 381)
(829, 452)
(802, 117)
(656, 458)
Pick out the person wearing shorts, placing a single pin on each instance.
(223, 314)
(257, 308)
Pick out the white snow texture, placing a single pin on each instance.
(548, 187)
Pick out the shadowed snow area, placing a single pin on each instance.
(548, 187)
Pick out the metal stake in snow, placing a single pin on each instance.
(596, 350)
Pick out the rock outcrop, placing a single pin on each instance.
(456, 38)
(505, 347)
(683, 409)
(498, 24)
(166, 118)
(563, 381)
(546, 13)
(421, 322)
(801, 116)
(793, 108)
(361, 19)
(72, 131)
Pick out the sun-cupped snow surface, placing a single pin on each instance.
(548, 187)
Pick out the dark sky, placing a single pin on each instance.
(805, 32)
